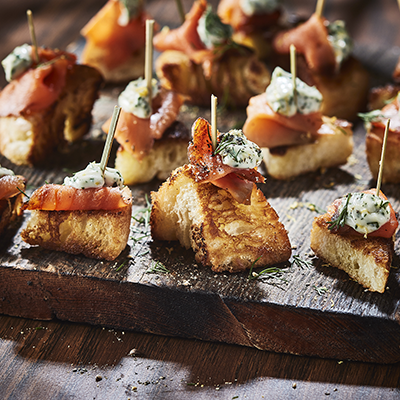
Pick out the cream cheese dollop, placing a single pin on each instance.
(135, 98)
(212, 30)
(17, 62)
(92, 177)
(281, 99)
(237, 151)
(5, 171)
(366, 212)
(252, 7)
(340, 40)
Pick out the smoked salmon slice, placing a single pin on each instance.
(11, 185)
(137, 135)
(51, 197)
(267, 128)
(38, 87)
(208, 167)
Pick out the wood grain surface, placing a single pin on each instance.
(51, 359)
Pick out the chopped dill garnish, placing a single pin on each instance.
(157, 268)
(121, 265)
(371, 116)
(23, 192)
(320, 290)
(267, 273)
(299, 262)
(341, 219)
(142, 216)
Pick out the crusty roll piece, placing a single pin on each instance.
(332, 147)
(29, 138)
(167, 153)
(10, 210)
(235, 76)
(224, 234)
(95, 234)
(367, 261)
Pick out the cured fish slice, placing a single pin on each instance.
(185, 38)
(39, 87)
(52, 197)
(208, 167)
(311, 40)
(136, 135)
(11, 185)
(270, 129)
(118, 42)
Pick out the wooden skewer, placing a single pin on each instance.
(214, 121)
(111, 132)
(320, 7)
(181, 11)
(293, 71)
(33, 35)
(148, 66)
(379, 181)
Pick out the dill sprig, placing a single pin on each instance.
(21, 191)
(320, 290)
(371, 116)
(157, 268)
(299, 262)
(142, 216)
(341, 219)
(267, 273)
(121, 265)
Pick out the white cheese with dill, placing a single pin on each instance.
(252, 7)
(280, 95)
(17, 62)
(366, 212)
(5, 171)
(237, 151)
(135, 98)
(340, 40)
(92, 177)
(212, 31)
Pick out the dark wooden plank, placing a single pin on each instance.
(53, 360)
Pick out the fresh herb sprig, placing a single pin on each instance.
(371, 116)
(341, 219)
(320, 290)
(157, 268)
(267, 273)
(299, 262)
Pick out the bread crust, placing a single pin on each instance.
(367, 261)
(167, 153)
(29, 138)
(10, 210)
(224, 234)
(95, 234)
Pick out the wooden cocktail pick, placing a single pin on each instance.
(33, 35)
(214, 101)
(110, 136)
(379, 181)
(293, 71)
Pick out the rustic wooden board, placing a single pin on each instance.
(310, 309)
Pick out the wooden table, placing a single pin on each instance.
(59, 360)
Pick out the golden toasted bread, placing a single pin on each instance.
(167, 153)
(332, 147)
(235, 76)
(367, 261)
(224, 234)
(30, 137)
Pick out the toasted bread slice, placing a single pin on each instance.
(168, 153)
(367, 261)
(95, 234)
(332, 147)
(224, 234)
(234, 76)
(29, 138)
